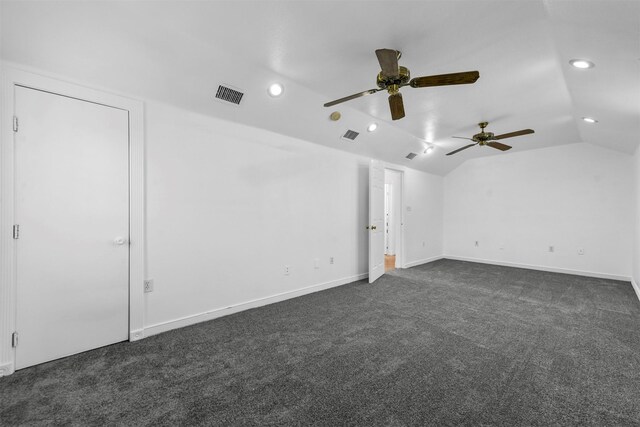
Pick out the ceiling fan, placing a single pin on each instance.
(393, 77)
(488, 138)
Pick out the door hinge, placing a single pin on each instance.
(15, 124)
(16, 231)
(14, 339)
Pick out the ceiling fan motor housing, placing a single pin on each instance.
(483, 137)
(401, 80)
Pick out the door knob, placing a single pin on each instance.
(120, 241)
(373, 227)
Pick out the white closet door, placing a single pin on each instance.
(72, 205)
(376, 220)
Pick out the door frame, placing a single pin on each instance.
(400, 195)
(19, 76)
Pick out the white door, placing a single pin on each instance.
(389, 220)
(387, 208)
(376, 220)
(72, 206)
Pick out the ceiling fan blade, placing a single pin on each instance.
(445, 79)
(388, 59)
(512, 134)
(350, 97)
(397, 106)
(460, 149)
(499, 145)
(462, 137)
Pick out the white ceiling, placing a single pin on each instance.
(179, 51)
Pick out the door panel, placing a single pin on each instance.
(389, 220)
(72, 204)
(376, 220)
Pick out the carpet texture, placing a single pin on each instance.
(446, 343)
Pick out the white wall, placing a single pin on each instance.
(228, 206)
(635, 264)
(516, 205)
(423, 223)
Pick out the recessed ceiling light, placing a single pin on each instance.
(275, 90)
(428, 150)
(582, 63)
(372, 127)
(589, 120)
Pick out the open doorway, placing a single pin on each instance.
(392, 219)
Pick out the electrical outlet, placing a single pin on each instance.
(423, 244)
(330, 260)
(552, 249)
(477, 244)
(287, 271)
(580, 251)
(148, 285)
(316, 263)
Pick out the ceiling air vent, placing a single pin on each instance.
(228, 94)
(350, 135)
(410, 156)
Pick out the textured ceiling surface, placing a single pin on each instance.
(180, 51)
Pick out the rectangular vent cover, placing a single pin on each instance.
(410, 156)
(350, 135)
(227, 94)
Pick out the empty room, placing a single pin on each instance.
(311, 212)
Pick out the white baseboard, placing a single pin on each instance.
(543, 268)
(635, 287)
(6, 369)
(136, 335)
(220, 312)
(421, 261)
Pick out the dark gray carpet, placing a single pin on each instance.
(447, 343)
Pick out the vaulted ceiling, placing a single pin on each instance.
(178, 52)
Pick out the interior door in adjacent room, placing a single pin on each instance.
(72, 208)
(376, 220)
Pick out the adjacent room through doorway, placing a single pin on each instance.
(392, 219)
